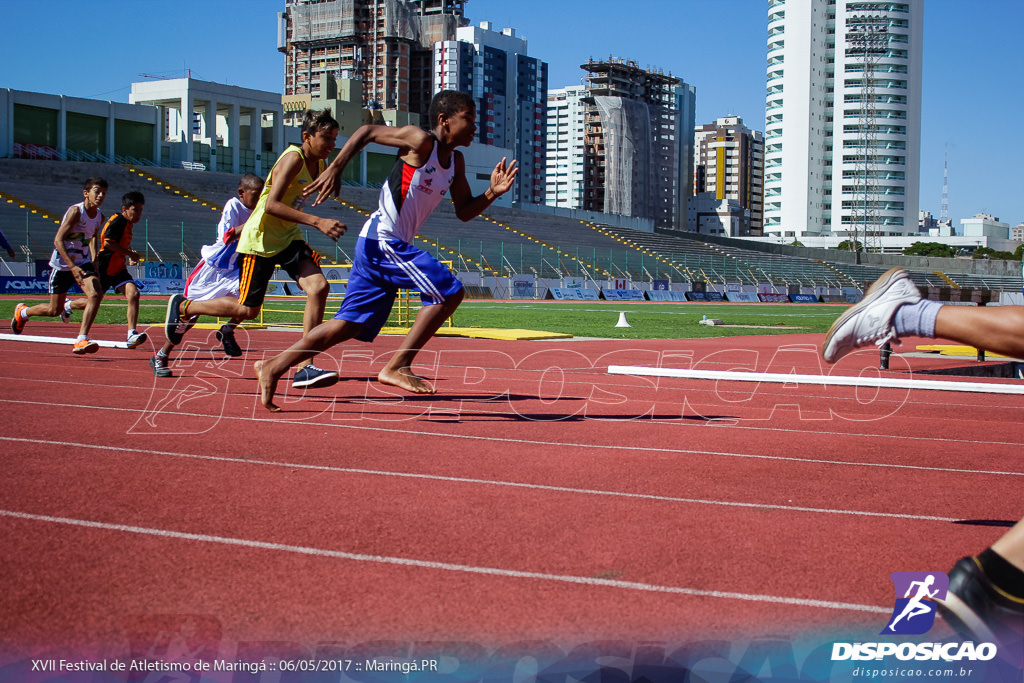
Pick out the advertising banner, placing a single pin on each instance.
(27, 285)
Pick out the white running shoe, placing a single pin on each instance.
(136, 339)
(871, 319)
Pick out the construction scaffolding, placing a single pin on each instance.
(630, 140)
(387, 44)
(629, 178)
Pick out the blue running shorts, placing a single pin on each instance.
(380, 269)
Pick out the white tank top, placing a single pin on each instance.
(76, 243)
(408, 197)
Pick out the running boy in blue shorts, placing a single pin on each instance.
(272, 236)
(427, 168)
(72, 263)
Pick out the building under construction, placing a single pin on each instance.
(630, 138)
(388, 44)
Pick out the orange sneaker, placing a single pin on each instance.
(85, 346)
(17, 322)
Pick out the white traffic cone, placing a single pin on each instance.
(622, 320)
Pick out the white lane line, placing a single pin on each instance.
(68, 341)
(446, 566)
(489, 482)
(561, 444)
(479, 407)
(820, 380)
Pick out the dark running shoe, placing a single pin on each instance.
(978, 610)
(159, 365)
(312, 377)
(174, 326)
(226, 336)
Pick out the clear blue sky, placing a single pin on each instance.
(973, 64)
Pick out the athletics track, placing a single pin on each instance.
(536, 503)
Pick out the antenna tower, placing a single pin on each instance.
(868, 37)
(944, 215)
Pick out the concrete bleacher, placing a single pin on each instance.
(504, 241)
(691, 257)
(583, 246)
(549, 246)
(171, 224)
(786, 270)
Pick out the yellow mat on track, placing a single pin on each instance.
(486, 333)
(955, 350)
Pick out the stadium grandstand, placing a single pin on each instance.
(183, 207)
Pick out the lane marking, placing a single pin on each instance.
(562, 444)
(488, 482)
(446, 566)
(822, 380)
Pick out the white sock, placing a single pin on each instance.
(81, 337)
(131, 332)
(917, 319)
(67, 306)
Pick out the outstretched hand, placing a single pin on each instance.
(502, 177)
(327, 184)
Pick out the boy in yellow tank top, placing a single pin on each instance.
(271, 237)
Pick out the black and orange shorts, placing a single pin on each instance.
(257, 271)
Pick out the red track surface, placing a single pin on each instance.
(535, 498)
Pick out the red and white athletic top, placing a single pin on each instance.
(408, 197)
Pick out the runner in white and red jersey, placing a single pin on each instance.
(427, 168)
(216, 275)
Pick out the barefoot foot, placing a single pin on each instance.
(404, 379)
(268, 385)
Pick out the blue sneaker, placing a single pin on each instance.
(312, 377)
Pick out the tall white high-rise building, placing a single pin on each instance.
(565, 160)
(843, 118)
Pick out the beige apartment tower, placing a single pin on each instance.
(729, 163)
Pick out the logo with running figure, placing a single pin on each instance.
(916, 593)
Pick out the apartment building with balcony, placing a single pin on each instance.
(511, 91)
(565, 149)
(729, 165)
(843, 118)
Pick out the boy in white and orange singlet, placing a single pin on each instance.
(72, 262)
